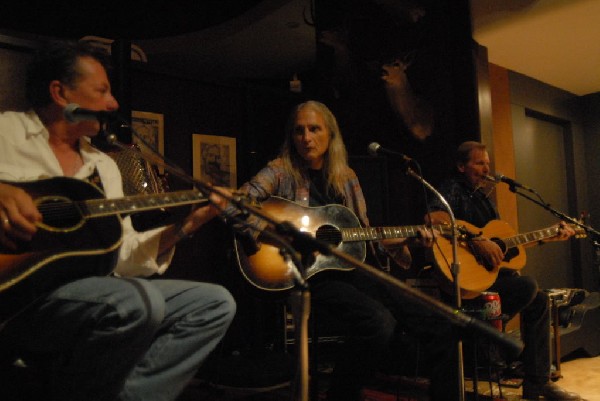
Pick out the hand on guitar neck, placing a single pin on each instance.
(565, 231)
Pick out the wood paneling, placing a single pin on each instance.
(503, 158)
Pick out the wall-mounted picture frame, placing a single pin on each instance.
(150, 127)
(214, 159)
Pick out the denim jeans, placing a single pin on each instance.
(124, 339)
(520, 294)
(345, 307)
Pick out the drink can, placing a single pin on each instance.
(491, 308)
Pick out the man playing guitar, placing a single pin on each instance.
(469, 200)
(110, 336)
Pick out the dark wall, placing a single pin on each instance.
(433, 39)
(576, 116)
(13, 62)
(590, 106)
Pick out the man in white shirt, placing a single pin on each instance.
(116, 337)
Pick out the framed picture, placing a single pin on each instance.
(150, 127)
(215, 159)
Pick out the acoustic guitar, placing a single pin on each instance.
(79, 236)
(335, 225)
(475, 274)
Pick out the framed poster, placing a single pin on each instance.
(214, 159)
(150, 127)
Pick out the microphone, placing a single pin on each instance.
(376, 149)
(502, 178)
(74, 114)
(491, 179)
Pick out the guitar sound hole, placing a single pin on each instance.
(329, 234)
(511, 254)
(501, 244)
(59, 213)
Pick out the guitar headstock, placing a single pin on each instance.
(580, 232)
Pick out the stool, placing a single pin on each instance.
(503, 319)
(490, 366)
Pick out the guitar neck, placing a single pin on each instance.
(140, 203)
(530, 237)
(381, 233)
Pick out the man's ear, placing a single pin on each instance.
(57, 93)
(460, 167)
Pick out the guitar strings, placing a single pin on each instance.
(58, 210)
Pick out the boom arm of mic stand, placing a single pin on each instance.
(559, 214)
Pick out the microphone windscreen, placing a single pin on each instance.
(373, 148)
(69, 112)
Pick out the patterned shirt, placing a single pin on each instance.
(274, 180)
(472, 206)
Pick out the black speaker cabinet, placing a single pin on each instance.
(582, 334)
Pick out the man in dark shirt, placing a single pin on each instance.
(469, 200)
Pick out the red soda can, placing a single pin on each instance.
(491, 308)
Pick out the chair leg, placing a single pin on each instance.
(475, 372)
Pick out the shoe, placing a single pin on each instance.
(549, 391)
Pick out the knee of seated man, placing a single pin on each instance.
(139, 306)
(384, 323)
(215, 298)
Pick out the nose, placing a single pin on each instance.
(306, 135)
(113, 104)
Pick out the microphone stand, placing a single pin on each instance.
(455, 269)
(555, 212)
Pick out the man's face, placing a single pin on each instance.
(476, 168)
(311, 137)
(91, 91)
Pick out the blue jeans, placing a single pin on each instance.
(520, 294)
(124, 339)
(347, 307)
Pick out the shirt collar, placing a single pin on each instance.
(34, 126)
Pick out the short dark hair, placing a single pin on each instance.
(463, 153)
(57, 60)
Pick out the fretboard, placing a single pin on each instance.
(140, 203)
(381, 233)
(533, 236)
